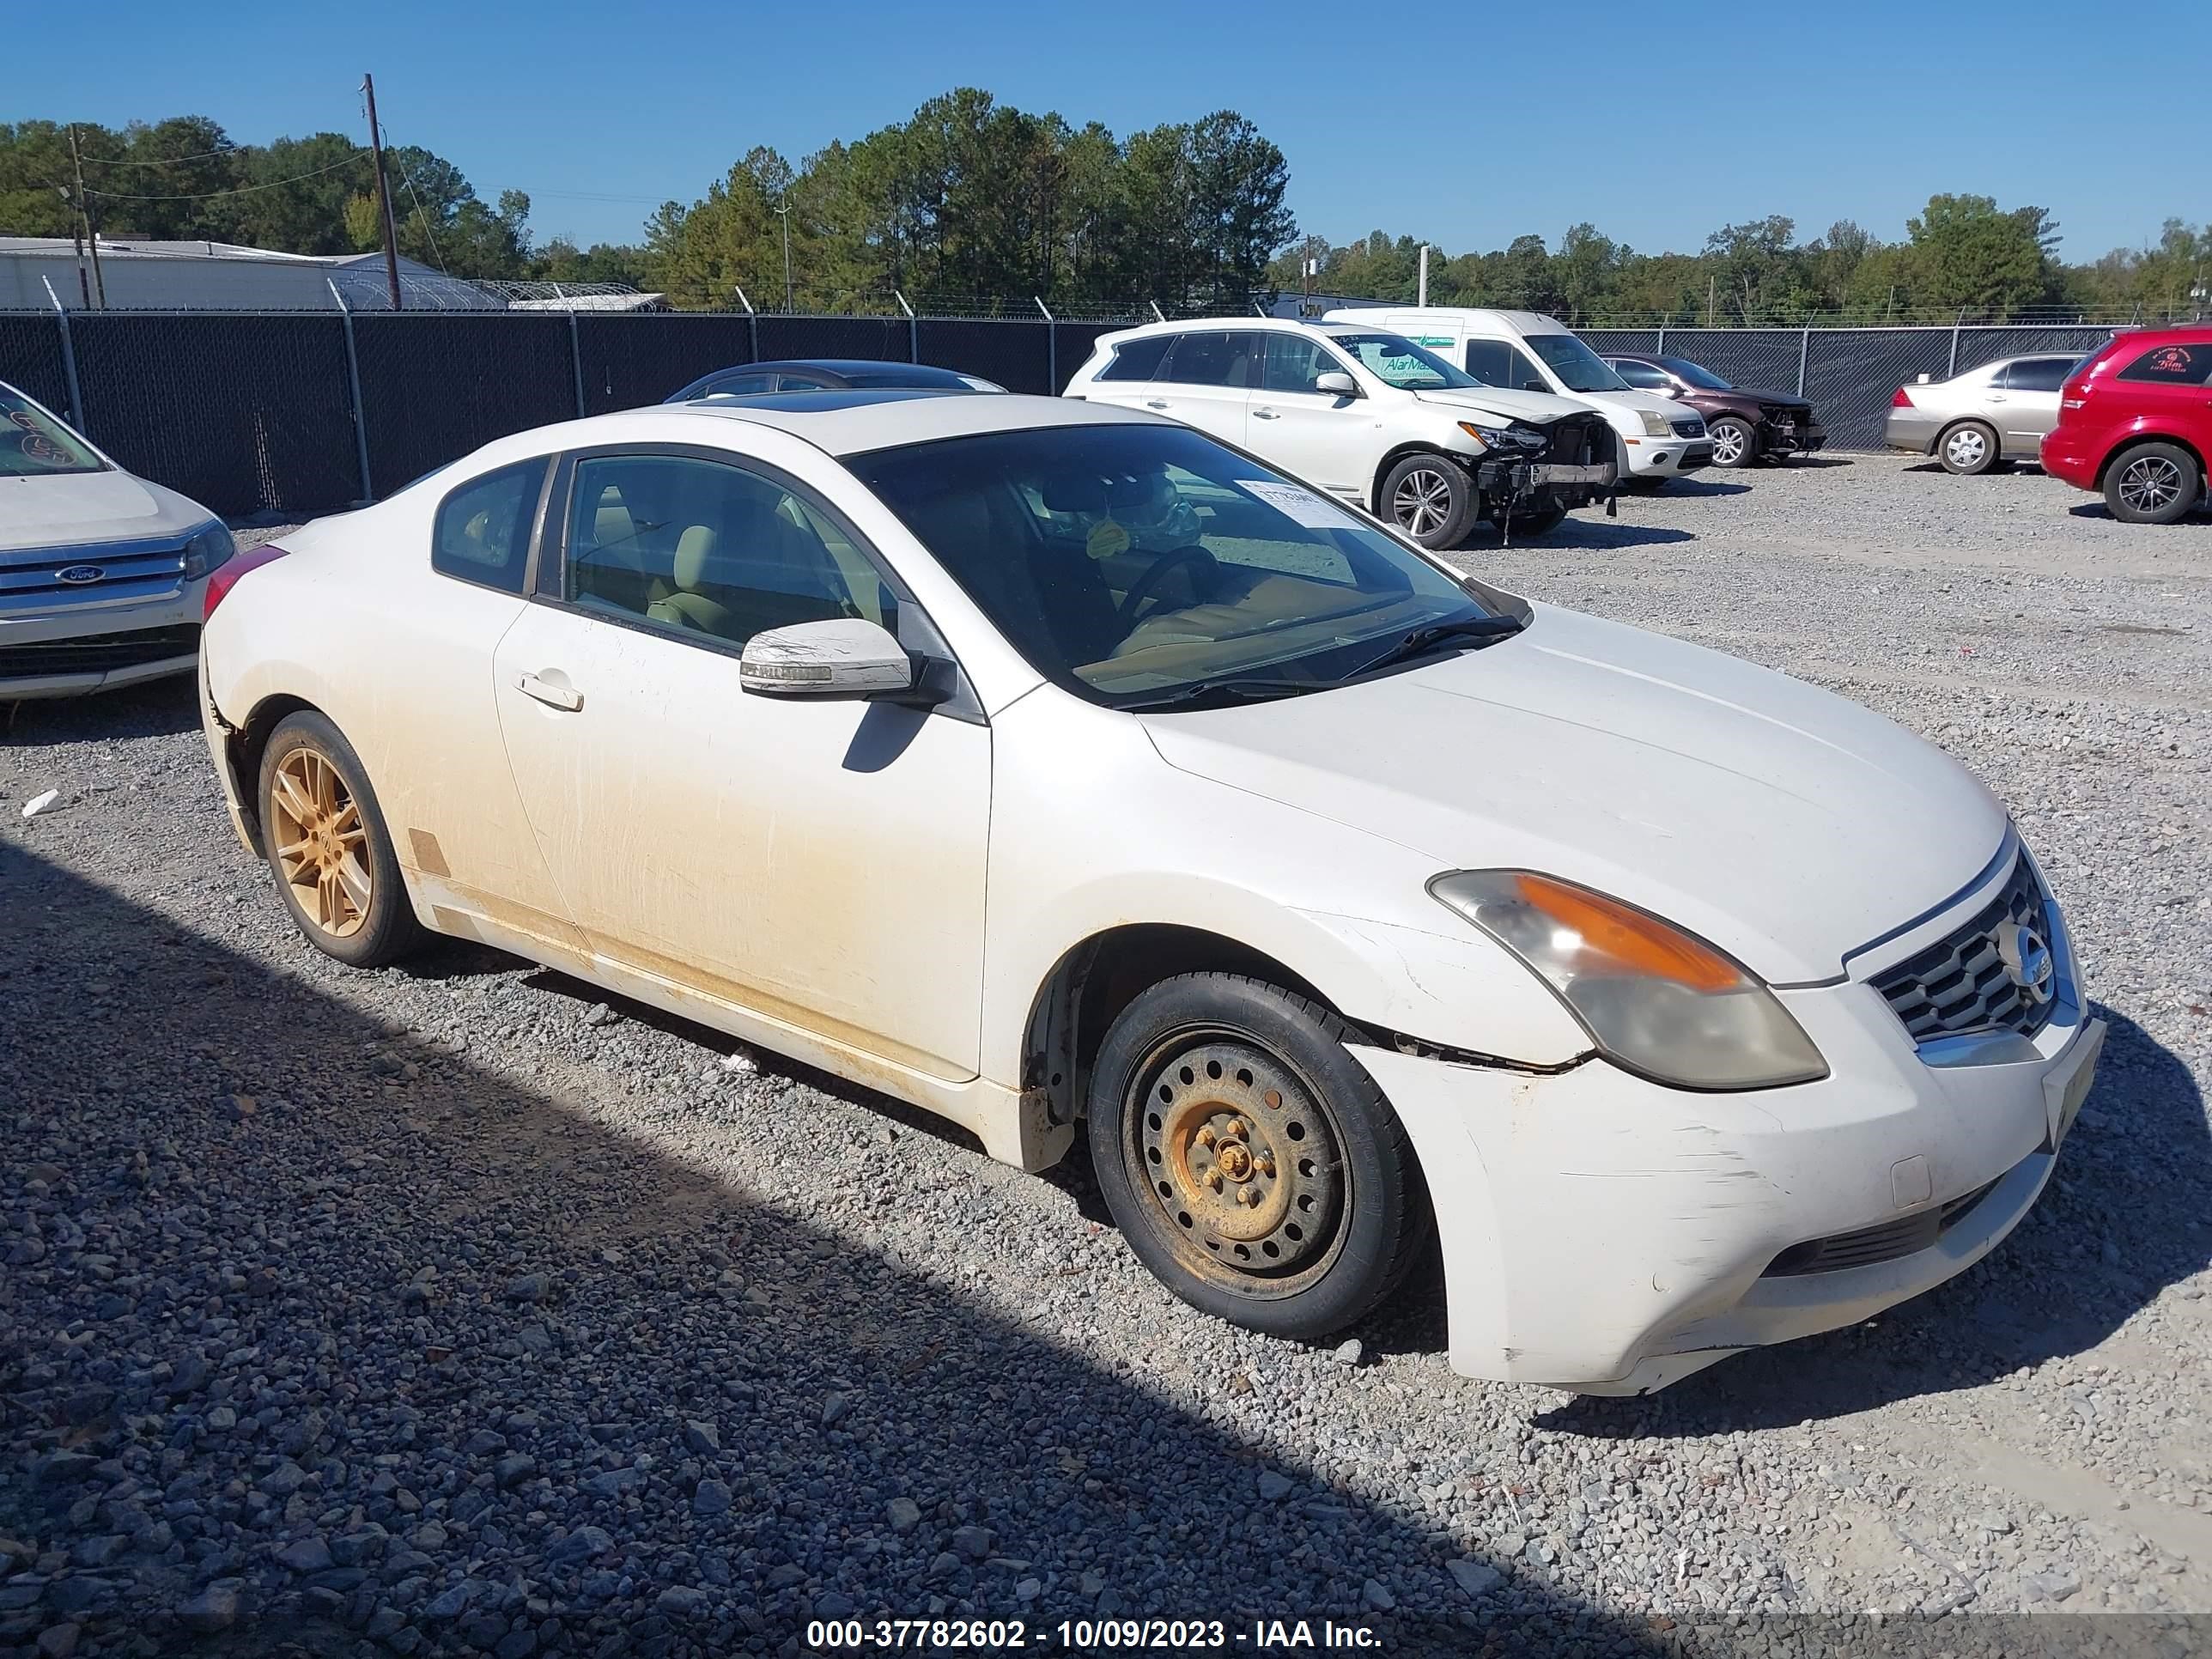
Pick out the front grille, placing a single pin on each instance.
(32, 581)
(1869, 1245)
(1961, 983)
(101, 653)
(1692, 427)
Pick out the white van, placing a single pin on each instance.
(1660, 439)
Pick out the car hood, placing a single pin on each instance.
(1541, 407)
(1783, 399)
(70, 509)
(1783, 824)
(1625, 409)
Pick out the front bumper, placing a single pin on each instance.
(1666, 458)
(1913, 429)
(1608, 1234)
(72, 650)
(1792, 438)
(1519, 481)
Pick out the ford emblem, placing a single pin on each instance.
(77, 575)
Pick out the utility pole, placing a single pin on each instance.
(784, 214)
(1308, 268)
(383, 193)
(1709, 292)
(76, 236)
(91, 234)
(1424, 299)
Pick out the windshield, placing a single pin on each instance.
(1396, 360)
(1127, 563)
(32, 442)
(1683, 369)
(1579, 369)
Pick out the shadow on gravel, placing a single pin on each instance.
(318, 1339)
(2123, 1218)
(1812, 463)
(156, 709)
(1581, 530)
(1685, 489)
(2095, 509)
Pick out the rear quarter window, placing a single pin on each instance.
(1137, 360)
(2172, 365)
(481, 533)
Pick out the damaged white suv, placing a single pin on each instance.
(1369, 416)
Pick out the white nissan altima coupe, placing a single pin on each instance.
(1036, 762)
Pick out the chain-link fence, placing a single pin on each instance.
(292, 412)
(1848, 374)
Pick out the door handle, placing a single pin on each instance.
(1266, 415)
(1157, 402)
(553, 696)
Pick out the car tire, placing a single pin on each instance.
(1736, 443)
(1250, 1161)
(2153, 484)
(1430, 498)
(1530, 521)
(1968, 449)
(327, 842)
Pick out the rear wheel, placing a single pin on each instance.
(1735, 443)
(1251, 1163)
(1430, 498)
(326, 840)
(1968, 448)
(2153, 484)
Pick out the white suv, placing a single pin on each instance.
(1367, 416)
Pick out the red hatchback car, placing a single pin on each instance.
(2135, 421)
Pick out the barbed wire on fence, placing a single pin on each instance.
(1909, 317)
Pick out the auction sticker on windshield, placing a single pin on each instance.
(1298, 505)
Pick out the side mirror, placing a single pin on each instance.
(1534, 386)
(1336, 384)
(844, 657)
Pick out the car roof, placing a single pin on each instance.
(1240, 325)
(841, 421)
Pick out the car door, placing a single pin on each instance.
(1206, 381)
(818, 863)
(2026, 401)
(1309, 434)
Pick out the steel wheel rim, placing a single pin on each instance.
(1242, 1164)
(2150, 483)
(1966, 448)
(321, 842)
(1422, 501)
(1728, 445)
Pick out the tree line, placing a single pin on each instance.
(974, 202)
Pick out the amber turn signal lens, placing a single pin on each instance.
(1637, 942)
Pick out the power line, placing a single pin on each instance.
(236, 189)
(420, 212)
(167, 160)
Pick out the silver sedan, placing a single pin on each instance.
(1991, 415)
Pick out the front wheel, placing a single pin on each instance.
(1541, 520)
(1250, 1161)
(1735, 443)
(2153, 484)
(1430, 498)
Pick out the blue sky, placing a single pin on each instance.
(1466, 129)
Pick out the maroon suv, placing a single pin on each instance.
(1746, 426)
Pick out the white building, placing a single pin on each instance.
(149, 275)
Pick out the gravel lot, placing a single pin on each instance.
(451, 1309)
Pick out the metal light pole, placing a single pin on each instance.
(784, 214)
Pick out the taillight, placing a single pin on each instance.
(226, 575)
(1900, 401)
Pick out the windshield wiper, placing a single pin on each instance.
(1477, 630)
(1241, 690)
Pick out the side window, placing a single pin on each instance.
(739, 386)
(1496, 363)
(1294, 362)
(2172, 365)
(702, 547)
(1641, 375)
(1212, 358)
(1137, 360)
(2038, 375)
(481, 532)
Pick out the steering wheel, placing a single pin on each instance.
(1205, 569)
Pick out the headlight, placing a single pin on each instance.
(1656, 1000)
(208, 549)
(1504, 437)
(1655, 424)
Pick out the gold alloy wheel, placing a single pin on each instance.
(1243, 1164)
(322, 844)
